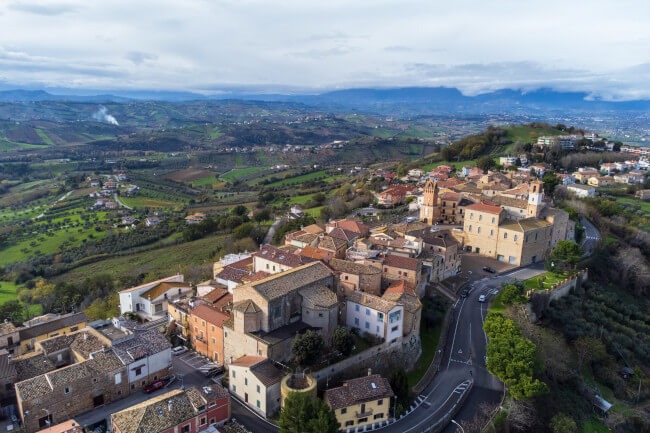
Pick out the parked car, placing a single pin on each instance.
(482, 298)
(489, 269)
(154, 386)
(178, 350)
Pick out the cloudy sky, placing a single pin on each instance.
(598, 46)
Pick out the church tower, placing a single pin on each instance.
(429, 211)
(535, 197)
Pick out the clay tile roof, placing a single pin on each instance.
(306, 238)
(352, 225)
(353, 268)
(230, 273)
(449, 183)
(53, 325)
(161, 288)
(255, 277)
(399, 287)
(333, 244)
(278, 285)
(451, 196)
(401, 262)
(509, 201)
(7, 368)
(482, 207)
(209, 314)
(267, 373)
(247, 361)
(313, 228)
(316, 253)
(215, 295)
(346, 235)
(355, 391)
(371, 301)
(160, 413)
(246, 306)
(7, 328)
(281, 256)
(31, 365)
(320, 296)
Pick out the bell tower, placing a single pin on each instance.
(535, 198)
(429, 211)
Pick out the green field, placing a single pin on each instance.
(456, 164)
(594, 426)
(44, 137)
(238, 173)
(320, 174)
(159, 262)
(522, 133)
(140, 202)
(206, 181)
(8, 291)
(643, 205)
(215, 133)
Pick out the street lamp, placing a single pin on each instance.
(460, 426)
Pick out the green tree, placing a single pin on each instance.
(485, 163)
(563, 423)
(303, 413)
(550, 181)
(510, 293)
(104, 308)
(400, 384)
(307, 348)
(342, 340)
(511, 357)
(400, 170)
(566, 253)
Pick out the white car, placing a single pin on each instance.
(482, 298)
(178, 350)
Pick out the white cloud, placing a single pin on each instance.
(598, 46)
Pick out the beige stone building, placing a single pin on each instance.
(430, 211)
(355, 276)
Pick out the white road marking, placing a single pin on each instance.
(456, 330)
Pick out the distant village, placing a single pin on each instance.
(369, 278)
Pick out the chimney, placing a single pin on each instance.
(370, 372)
(85, 336)
(169, 405)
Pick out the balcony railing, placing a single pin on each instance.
(365, 414)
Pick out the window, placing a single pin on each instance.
(267, 266)
(471, 215)
(379, 416)
(367, 311)
(258, 388)
(394, 328)
(356, 321)
(492, 220)
(185, 429)
(213, 404)
(491, 232)
(535, 236)
(234, 373)
(346, 278)
(362, 420)
(367, 325)
(380, 317)
(202, 322)
(213, 328)
(234, 388)
(246, 381)
(505, 235)
(349, 423)
(377, 329)
(480, 217)
(138, 371)
(74, 328)
(66, 390)
(214, 340)
(277, 311)
(258, 404)
(380, 402)
(470, 227)
(344, 411)
(363, 408)
(356, 307)
(203, 421)
(479, 230)
(515, 238)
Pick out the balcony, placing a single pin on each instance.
(366, 414)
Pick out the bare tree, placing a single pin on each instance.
(522, 415)
(634, 268)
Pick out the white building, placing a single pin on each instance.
(150, 300)
(582, 191)
(376, 316)
(256, 382)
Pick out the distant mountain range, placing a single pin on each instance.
(398, 102)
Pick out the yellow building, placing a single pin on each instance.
(49, 326)
(361, 401)
(430, 211)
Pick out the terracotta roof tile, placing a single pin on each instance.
(355, 391)
(401, 262)
(482, 207)
(209, 314)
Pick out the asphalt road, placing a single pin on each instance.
(592, 236)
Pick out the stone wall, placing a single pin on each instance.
(382, 359)
(540, 301)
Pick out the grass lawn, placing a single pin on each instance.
(549, 280)
(429, 340)
(359, 345)
(315, 211)
(594, 426)
(44, 137)
(522, 133)
(457, 164)
(643, 205)
(238, 173)
(8, 291)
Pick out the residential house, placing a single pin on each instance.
(582, 191)
(335, 245)
(392, 196)
(274, 260)
(195, 218)
(401, 293)
(206, 330)
(231, 275)
(584, 173)
(348, 224)
(360, 402)
(374, 315)
(150, 300)
(643, 194)
(302, 239)
(316, 253)
(151, 221)
(356, 277)
(256, 381)
(188, 410)
(443, 244)
(598, 181)
(41, 328)
(10, 338)
(268, 313)
(396, 267)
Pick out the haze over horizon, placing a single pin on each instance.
(597, 47)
